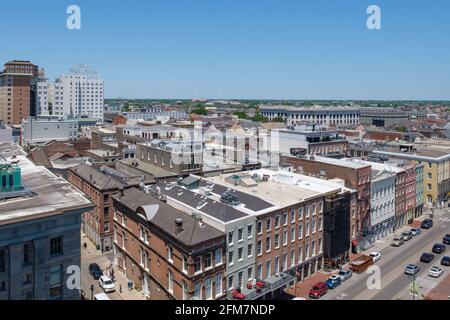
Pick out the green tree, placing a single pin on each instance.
(259, 118)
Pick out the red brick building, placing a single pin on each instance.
(165, 252)
(356, 176)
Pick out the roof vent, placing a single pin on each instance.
(179, 225)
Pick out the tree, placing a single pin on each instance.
(241, 114)
(200, 110)
(259, 118)
(278, 119)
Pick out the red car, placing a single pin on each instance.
(237, 294)
(318, 290)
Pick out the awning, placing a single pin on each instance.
(355, 243)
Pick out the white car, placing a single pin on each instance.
(106, 284)
(375, 256)
(435, 272)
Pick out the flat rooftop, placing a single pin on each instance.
(52, 195)
(336, 162)
(435, 152)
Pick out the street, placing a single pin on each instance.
(394, 283)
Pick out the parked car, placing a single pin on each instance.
(398, 241)
(376, 256)
(318, 290)
(416, 231)
(237, 294)
(106, 284)
(426, 224)
(435, 272)
(446, 239)
(426, 257)
(95, 271)
(412, 269)
(333, 281)
(345, 274)
(407, 235)
(439, 248)
(445, 261)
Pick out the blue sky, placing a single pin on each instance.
(261, 49)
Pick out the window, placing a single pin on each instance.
(313, 226)
(185, 291)
(292, 258)
(249, 273)
(170, 281)
(259, 271)
(240, 275)
(307, 211)
(208, 288)
(2, 260)
(300, 214)
(197, 291)
(313, 209)
(250, 250)
(198, 264)
(27, 254)
(240, 234)
(185, 264)
(307, 229)
(230, 282)
(320, 207)
(250, 231)
(320, 222)
(56, 246)
(284, 218)
(268, 244)
(56, 282)
(299, 255)
(268, 224)
(208, 262)
(218, 257)
(170, 254)
(240, 257)
(293, 216)
(307, 251)
(277, 265)
(285, 237)
(277, 241)
(320, 245)
(259, 227)
(218, 282)
(230, 238)
(268, 267)
(300, 231)
(284, 267)
(277, 221)
(429, 186)
(259, 247)
(313, 248)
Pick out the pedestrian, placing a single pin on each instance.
(120, 288)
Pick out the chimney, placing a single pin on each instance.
(179, 225)
(90, 177)
(121, 191)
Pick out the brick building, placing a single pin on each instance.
(165, 252)
(99, 187)
(356, 176)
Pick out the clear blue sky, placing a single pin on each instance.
(258, 49)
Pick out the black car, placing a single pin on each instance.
(426, 257)
(446, 239)
(426, 224)
(95, 271)
(445, 261)
(438, 248)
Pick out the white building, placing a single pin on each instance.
(41, 129)
(79, 93)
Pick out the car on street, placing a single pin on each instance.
(237, 294)
(426, 257)
(333, 281)
(95, 271)
(416, 231)
(407, 235)
(345, 274)
(446, 239)
(318, 290)
(106, 284)
(376, 256)
(439, 248)
(435, 272)
(412, 269)
(398, 241)
(101, 296)
(426, 224)
(445, 261)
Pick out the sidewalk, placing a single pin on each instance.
(105, 260)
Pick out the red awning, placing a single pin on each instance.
(355, 243)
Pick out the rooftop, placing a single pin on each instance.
(52, 195)
(97, 178)
(163, 216)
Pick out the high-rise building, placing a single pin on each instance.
(18, 82)
(76, 94)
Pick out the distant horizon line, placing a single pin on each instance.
(287, 99)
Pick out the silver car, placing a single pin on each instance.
(345, 274)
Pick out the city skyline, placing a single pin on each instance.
(253, 50)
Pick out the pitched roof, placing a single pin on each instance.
(163, 216)
(95, 177)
